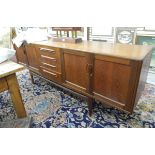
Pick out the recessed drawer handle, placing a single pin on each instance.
(49, 65)
(50, 73)
(53, 59)
(49, 50)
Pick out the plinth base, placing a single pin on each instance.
(68, 40)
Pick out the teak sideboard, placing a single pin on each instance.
(114, 74)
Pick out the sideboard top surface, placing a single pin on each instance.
(132, 52)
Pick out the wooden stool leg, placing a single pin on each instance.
(90, 105)
(15, 95)
(32, 79)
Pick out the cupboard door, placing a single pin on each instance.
(21, 55)
(33, 58)
(112, 81)
(75, 74)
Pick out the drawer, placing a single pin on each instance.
(49, 52)
(48, 60)
(53, 76)
(49, 67)
(52, 64)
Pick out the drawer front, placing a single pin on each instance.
(49, 67)
(48, 60)
(49, 52)
(51, 63)
(53, 76)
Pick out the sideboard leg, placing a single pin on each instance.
(90, 105)
(32, 79)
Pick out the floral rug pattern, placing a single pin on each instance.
(52, 107)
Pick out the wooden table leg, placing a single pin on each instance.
(15, 95)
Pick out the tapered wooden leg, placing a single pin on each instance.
(90, 105)
(32, 79)
(15, 95)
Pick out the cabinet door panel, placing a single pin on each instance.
(21, 55)
(111, 80)
(33, 58)
(75, 70)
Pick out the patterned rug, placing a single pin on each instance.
(52, 107)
